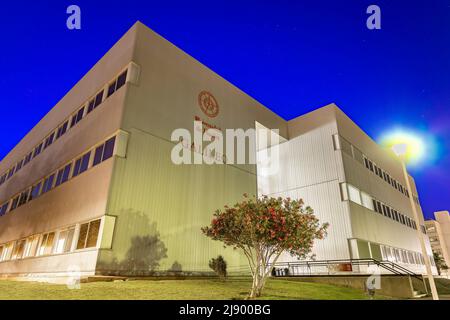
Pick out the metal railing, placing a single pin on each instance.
(342, 266)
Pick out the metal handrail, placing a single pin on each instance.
(387, 265)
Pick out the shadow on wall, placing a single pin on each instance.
(146, 247)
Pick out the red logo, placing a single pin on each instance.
(208, 104)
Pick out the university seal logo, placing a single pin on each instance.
(208, 104)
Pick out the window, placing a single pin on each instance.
(65, 238)
(379, 207)
(14, 203)
(48, 184)
(27, 158)
(10, 173)
(63, 175)
(35, 191)
(121, 80)
(19, 165)
(98, 154)
(23, 198)
(37, 150)
(49, 140)
(104, 152)
(118, 83)
(367, 201)
(31, 246)
(62, 130)
(81, 165)
(353, 194)
(94, 103)
(46, 244)
(77, 117)
(3, 209)
(88, 235)
(6, 252)
(18, 250)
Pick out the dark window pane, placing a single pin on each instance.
(66, 173)
(94, 227)
(35, 191)
(82, 236)
(48, 184)
(59, 177)
(14, 204)
(76, 168)
(98, 155)
(98, 99)
(91, 105)
(109, 148)
(74, 121)
(121, 80)
(80, 114)
(111, 89)
(85, 162)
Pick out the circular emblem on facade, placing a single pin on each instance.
(208, 104)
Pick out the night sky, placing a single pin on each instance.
(292, 56)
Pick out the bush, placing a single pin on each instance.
(219, 266)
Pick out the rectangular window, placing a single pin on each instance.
(121, 80)
(48, 184)
(380, 210)
(31, 246)
(81, 165)
(354, 194)
(3, 209)
(109, 149)
(7, 252)
(14, 203)
(37, 150)
(91, 106)
(98, 155)
(88, 235)
(35, 191)
(367, 201)
(18, 250)
(63, 175)
(98, 99)
(77, 117)
(370, 166)
(62, 130)
(23, 198)
(111, 89)
(11, 172)
(49, 140)
(46, 244)
(27, 158)
(64, 243)
(19, 165)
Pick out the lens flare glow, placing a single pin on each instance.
(421, 147)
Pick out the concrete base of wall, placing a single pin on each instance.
(403, 287)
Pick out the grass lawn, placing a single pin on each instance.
(176, 290)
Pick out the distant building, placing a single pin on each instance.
(92, 188)
(439, 233)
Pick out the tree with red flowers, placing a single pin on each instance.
(263, 228)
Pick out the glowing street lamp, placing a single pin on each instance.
(401, 151)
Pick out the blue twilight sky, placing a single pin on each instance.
(292, 56)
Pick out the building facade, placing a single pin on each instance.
(92, 188)
(438, 231)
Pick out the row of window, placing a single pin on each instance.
(403, 256)
(60, 176)
(66, 240)
(69, 123)
(350, 192)
(342, 144)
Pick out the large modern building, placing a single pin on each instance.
(92, 187)
(438, 231)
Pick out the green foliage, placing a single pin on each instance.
(219, 265)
